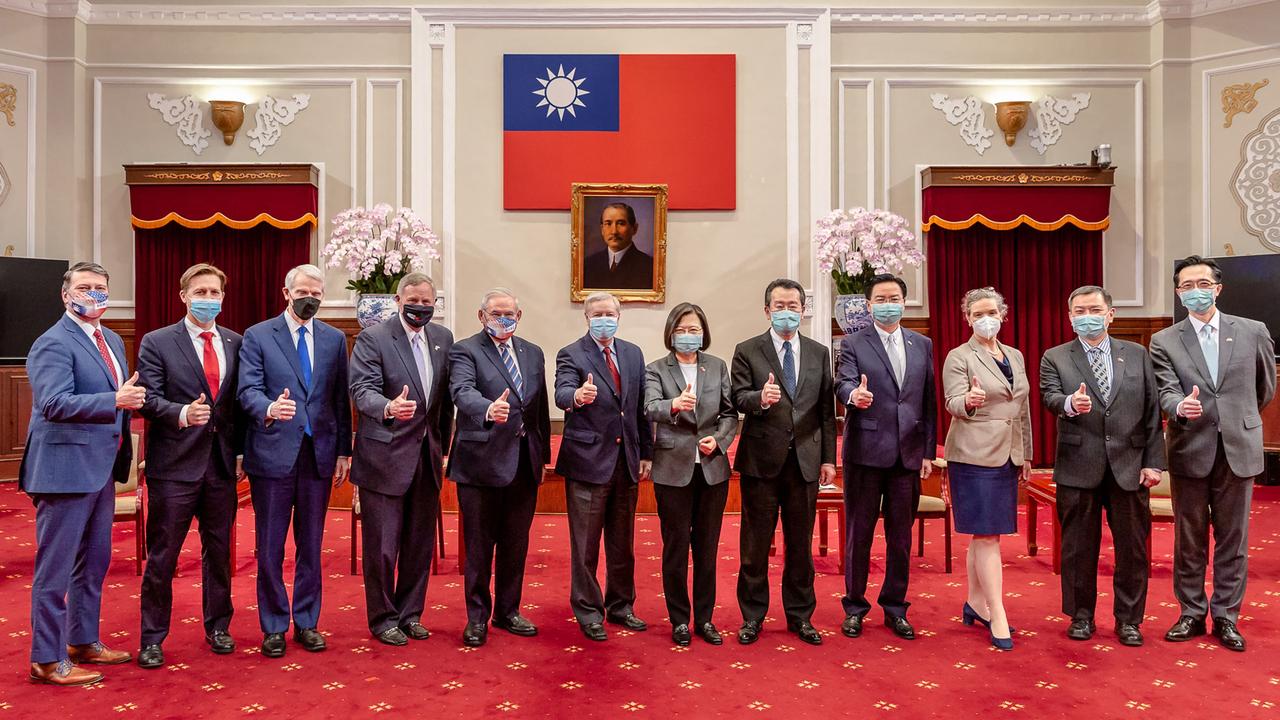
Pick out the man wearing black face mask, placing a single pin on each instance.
(400, 386)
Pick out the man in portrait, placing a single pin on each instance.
(621, 265)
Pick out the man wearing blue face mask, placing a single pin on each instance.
(1215, 372)
(1110, 451)
(607, 450)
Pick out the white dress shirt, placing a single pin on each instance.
(1198, 326)
(198, 342)
(795, 350)
(310, 334)
(616, 257)
(89, 329)
(690, 373)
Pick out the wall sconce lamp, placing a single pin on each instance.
(228, 116)
(1011, 117)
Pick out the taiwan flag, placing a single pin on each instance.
(618, 119)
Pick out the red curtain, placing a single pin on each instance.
(1035, 271)
(255, 261)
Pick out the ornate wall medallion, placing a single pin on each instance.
(1256, 182)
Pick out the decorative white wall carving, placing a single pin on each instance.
(970, 115)
(4, 184)
(185, 113)
(274, 113)
(1256, 182)
(1051, 114)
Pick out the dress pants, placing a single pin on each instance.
(73, 550)
(690, 516)
(868, 491)
(303, 497)
(763, 499)
(495, 526)
(1129, 517)
(171, 505)
(1220, 501)
(609, 510)
(398, 532)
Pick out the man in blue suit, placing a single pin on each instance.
(501, 444)
(293, 387)
(886, 383)
(77, 443)
(607, 450)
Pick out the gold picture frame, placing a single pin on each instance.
(634, 273)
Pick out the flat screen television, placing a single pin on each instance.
(29, 303)
(1250, 288)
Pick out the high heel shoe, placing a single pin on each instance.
(1002, 643)
(970, 615)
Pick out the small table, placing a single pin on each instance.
(1041, 489)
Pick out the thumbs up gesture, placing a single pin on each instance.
(500, 409)
(770, 393)
(1080, 401)
(283, 408)
(687, 400)
(401, 407)
(131, 395)
(1190, 407)
(976, 397)
(198, 412)
(861, 397)
(586, 394)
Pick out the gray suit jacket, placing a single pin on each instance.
(676, 439)
(1232, 406)
(1125, 430)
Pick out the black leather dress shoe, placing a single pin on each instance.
(806, 633)
(900, 627)
(1186, 628)
(517, 625)
(630, 622)
(852, 626)
(594, 631)
(708, 632)
(475, 634)
(749, 632)
(416, 631)
(680, 635)
(1228, 635)
(1081, 629)
(151, 657)
(273, 645)
(1129, 634)
(220, 642)
(393, 636)
(310, 639)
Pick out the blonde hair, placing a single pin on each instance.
(983, 293)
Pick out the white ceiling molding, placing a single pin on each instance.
(184, 113)
(1051, 114)
(969, 113)
(272, 114)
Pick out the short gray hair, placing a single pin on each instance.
(90, 267)
(498, 292)
(309, 270)
(415, 278)
(983, 293)
(600, 296)
(1089, 290)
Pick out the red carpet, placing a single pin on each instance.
(949, 672)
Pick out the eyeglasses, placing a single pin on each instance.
(1197, 285)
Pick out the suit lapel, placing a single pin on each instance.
(1226, 342)
(117, 348)
(596, 358)
(810, 363)
(872, 339)
(88, 345)
(1080, 359)
(915, 358)
(1192, 345)
(437, 360)
(280, 329)
(765, 345)
(1119, 368)
(491, 351)
(988, 362)
(231, 351)
(401, 342)
(188, 351)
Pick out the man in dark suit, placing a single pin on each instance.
(1110, 451)
(194, 433)
(782, 383)
(78, 442)
(400, 386)
(621, 265)
(890, 439)
(502, 443)
(1216, 373)
(607, 450)
(293, 386)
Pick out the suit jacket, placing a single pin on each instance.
(807, 421)
(487, 453)
(1125, 430)
(592, 433)
(1232, 405)
(902, 423)
(676, 441)
(387, 450)
(268, 365)
(1000, 430)
(74, 440)
(174, 376)
(634, 271)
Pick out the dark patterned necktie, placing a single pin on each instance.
(1098, 363)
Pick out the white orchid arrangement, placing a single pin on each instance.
(380, 245)
(855, 245)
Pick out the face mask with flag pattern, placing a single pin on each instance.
(90, 304)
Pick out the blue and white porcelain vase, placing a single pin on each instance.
(851, 313)
(373, 309)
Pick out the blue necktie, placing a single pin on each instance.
(512, 369)
(788, 369)
(304, 362)
(1209, 346)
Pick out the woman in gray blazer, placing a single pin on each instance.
(988, 449)
(686, 395)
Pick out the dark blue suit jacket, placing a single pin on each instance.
(592, 432)
(486, 453)
(74, 439)
(902, 423)
(268, 365)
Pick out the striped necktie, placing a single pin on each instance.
(512, 369)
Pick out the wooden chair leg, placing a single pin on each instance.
(439, 554)
(462, 545)
(355, 530)
(946, 526)
(1057, 544)
(840, 534)
(1150, 529)
(233, 548)
(822, 532)
(140, 531)
(920, 537)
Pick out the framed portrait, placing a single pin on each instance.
(619, 241)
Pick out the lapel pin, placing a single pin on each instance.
(1120, 359)
(1230, 339)
(437, 347)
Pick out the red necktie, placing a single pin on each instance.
(210, 365)
(106, 356)
(613, 369)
